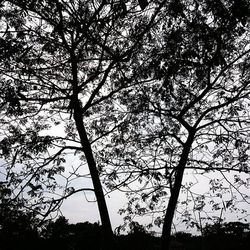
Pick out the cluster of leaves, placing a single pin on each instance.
(195, 89)
(40, 41)
(151, 93)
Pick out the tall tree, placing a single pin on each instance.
(62, 63)
(193, 113)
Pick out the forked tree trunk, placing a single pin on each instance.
(167, 224)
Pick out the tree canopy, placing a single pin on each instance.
(62, 63)
(191, 114)
(137, 91)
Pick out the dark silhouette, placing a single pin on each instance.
(17, 232)
(45, 62)
(147, 94)
(20, 233)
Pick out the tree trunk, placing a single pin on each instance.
(107, 233)
(167, 224)
(103, 210)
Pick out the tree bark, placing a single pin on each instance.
(167, 224)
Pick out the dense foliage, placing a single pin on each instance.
(60, 234)
(192, 113)
(136, 93)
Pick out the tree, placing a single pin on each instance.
(184, 72)
(18, 230)
(191, 114)
(62, 63)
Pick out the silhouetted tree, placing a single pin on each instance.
(18, 229)
(191, 114)
(150, 92)
(62, 62)
(63, 235)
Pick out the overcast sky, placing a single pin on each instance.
(77, 209)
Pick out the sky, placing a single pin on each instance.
(81, 208)
(77, 209)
